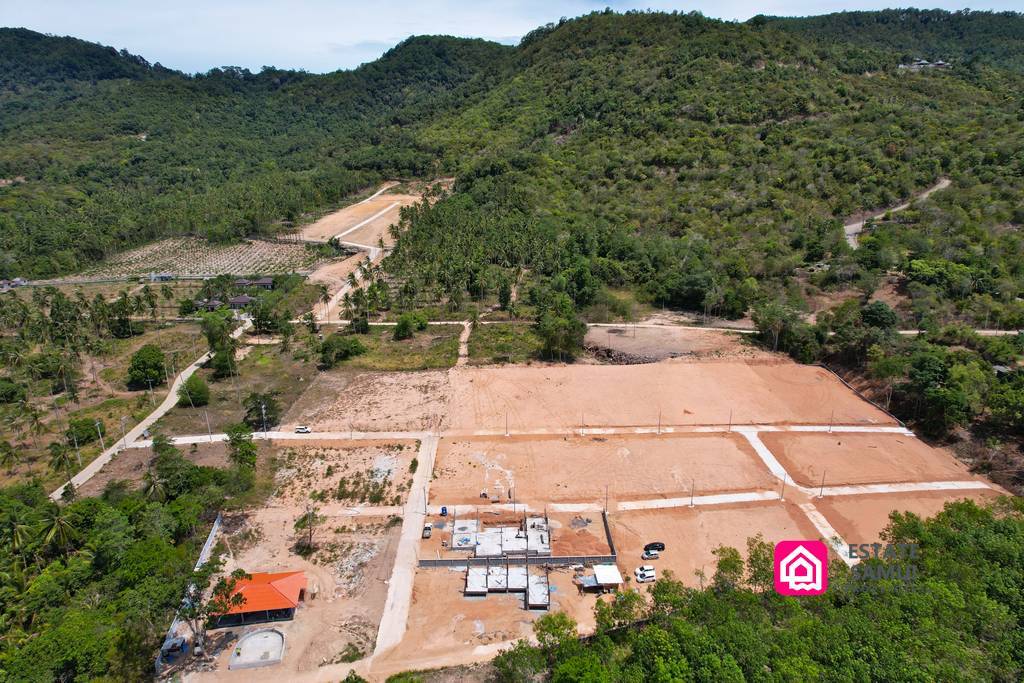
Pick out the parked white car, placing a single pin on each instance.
(645, 574)
(650, 555)
(303, 429)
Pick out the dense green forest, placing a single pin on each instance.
(113, 153)
(963, 36)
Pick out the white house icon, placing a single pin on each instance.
(801, 570)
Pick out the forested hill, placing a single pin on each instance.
(28, 58)
(643, 132)
(990, 37)
(104, 165)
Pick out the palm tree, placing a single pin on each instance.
(154, 487)
(9, 456)
(17, 533)
(324, 297)
(34, 421)
(60, 458)
(57, 529)
(149, 296)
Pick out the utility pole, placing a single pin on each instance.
(208, 430)
(124, 438)
(691, 492)
(263, 410)
(782, 496)
(821, 491)
(99, 431)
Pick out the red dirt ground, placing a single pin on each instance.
(861, 519)
(862, 458)
(707, 392)
(574, 469)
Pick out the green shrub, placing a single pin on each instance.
(339, 347)
(194, 392)
(83, 430)
(11, 392)
(147, 367)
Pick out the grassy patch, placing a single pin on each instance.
(266, 369)
(435, 347)
(503, 343)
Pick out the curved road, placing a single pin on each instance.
(854, 229)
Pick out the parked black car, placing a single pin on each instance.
(656, 545)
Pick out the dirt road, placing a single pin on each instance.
(855, 228)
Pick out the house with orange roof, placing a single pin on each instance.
(268, 597)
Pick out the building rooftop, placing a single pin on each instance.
(270, 591)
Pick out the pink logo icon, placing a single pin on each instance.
(801, 567)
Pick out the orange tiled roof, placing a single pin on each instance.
(269, 591)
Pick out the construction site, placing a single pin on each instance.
(434, 515)
(501, 494)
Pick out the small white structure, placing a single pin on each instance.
(259, 648)
(607, 576)
(476, 581)
(538, 594)
(533, 537)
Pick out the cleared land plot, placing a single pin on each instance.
(348, 572)
(190, 256)
(861, 458)
(574, 469)
(659, 343)
(624, 395)
(344, 472)
(861, 519)
(691, 535)
(446, 628)
(373, 216)
(372, 401)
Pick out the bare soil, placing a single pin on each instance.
(348, 576)
(345, 219)
(574, 469)
(372, 401)
(566, 396)
(861, 519)
(862, 458)
(371, 472)
(658, 343)
(447, 628)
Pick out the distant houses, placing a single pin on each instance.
(919, 64)
(240, 300)
(7, 285)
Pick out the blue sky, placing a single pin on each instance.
(324, 35)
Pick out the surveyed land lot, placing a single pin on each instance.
(683, 393)
(362, 223)
(861, 458)
(861, 519)
(697, 454)
(578, 469)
